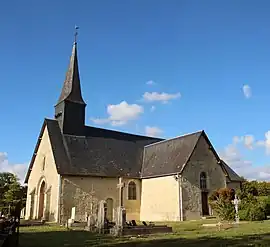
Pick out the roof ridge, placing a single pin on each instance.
(125, 133)
(185, 135)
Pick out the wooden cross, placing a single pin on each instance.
(120, 186)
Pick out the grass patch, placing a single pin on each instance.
(188, 234)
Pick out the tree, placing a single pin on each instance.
(11, 192)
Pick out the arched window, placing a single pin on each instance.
(132, 191)
(203, 184)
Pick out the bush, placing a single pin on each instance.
(221, 203)
(253, 208)
(252, 212)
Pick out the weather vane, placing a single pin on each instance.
(76, 34)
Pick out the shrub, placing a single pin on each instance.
(252, 212)
(265, 202)
(221, 203)
(253, 209)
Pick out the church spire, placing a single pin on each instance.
(70, 108)
(71, 90)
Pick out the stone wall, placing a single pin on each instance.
(160, 199)
(234, 185)
(43, 169)
(76, 192)
(202, 160)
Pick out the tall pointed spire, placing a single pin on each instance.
(71, 90)
(70, 108)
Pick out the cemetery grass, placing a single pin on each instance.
(185, 233)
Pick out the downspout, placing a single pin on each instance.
(59, 198)
(180, 196)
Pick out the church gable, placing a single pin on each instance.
(42, 180)
(169, 156)
(50, 131)
(204, 159)
(43, 158)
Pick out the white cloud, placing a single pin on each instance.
(247, 91)
(265, 143)
(162, 97)
(153, 131)
(237, 139)
(17, 169)
(120, 114)
(232, 156)
(247, 140)
(150, 83)
(153, 108)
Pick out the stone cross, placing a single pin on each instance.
(236, 202)
(120, 186)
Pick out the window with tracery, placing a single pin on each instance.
(132, 191)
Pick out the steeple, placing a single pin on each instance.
(70, 107)
(72, 87)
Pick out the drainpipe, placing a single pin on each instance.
(59, 198)
(180, 196)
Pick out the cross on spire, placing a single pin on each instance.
(76, 34)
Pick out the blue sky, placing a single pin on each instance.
(199, 54)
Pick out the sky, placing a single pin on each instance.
(155, 67)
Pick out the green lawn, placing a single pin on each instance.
(185, 234)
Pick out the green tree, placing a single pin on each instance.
(11, 192)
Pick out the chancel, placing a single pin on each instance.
(165, 180)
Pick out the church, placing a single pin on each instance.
(163, 180)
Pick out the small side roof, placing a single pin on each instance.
(233, 176)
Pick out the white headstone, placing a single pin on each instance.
(73, 211)
(101, 216)
(22, 213)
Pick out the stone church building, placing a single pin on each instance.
(164, 180)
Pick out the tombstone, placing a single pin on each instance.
(73, 211)
(236, 202)
(101, 217)
(86, 216)
(72, 218)
(22, 213)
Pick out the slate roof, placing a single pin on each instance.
(109, 153)
(233, 177)
(101, 152)
(169, 156)
(71, 90)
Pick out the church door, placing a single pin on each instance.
(41, 200)
(205, 208)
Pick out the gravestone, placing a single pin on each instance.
(22, 213)
(236, 202)
(73, 211)
(101, 217)
(72, 218)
